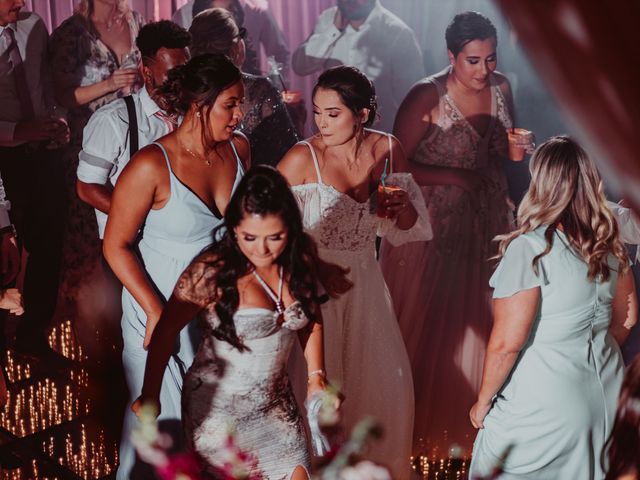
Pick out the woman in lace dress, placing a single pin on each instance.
(86, 51)
(333, 176)
(266, 122)
(255, 292)
(453, 125)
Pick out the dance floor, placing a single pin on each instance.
(63, 418)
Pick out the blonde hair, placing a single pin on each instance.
(567, 190)
(85, 8)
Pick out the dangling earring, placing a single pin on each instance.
(198, 114)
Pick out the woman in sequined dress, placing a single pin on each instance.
(255, 293)
(86, 54)
(454, 125)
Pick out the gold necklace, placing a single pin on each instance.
(206, 161)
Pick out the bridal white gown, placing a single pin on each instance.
(364, 350)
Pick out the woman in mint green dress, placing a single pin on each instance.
(564, 302)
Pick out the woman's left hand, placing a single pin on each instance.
(478, 413)
(316, 383)
(396, 202)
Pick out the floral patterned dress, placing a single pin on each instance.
(440, 289)
(79, 58)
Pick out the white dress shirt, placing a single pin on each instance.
(105, 141)
(384, 48)
(262, 29)
(5, 206)
(31, 36)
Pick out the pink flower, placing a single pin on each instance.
(183, 466)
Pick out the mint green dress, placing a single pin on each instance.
(556, 409)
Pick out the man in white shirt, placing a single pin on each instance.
(364, 34)
(107, 138)
(31, 166)
(262, 29)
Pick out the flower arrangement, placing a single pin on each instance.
(153, 447)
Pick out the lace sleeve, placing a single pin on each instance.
(421, 230)
(196, 284)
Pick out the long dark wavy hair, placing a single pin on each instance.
(623, 446)
(262, 191)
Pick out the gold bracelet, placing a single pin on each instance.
(319, 372)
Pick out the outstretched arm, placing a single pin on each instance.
(175, 316)
(133, 198)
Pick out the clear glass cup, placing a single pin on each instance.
(520, 141)
(383, 192)
(53, 112)
(132, 59)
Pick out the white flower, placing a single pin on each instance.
(364, 470)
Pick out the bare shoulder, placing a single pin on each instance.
(502, 82)
(148, 163)
(423, 96)
(243, 147)
(297, 164)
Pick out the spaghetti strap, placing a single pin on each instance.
(239, 162)
(315, 160)
(166, 157)
(389, 138)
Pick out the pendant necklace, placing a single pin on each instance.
(276, 299)
(206, 161)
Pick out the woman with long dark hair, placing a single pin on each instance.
(167, 202)
(335, 176)
(564, 301)
(255, 293)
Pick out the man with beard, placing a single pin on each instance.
(108, 140)
(364, 34)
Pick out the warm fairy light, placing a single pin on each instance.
(36, 403)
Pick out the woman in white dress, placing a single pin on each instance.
(334, 176)
(564, 302)
(255, 293)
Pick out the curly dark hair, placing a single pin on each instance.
(163, 34)
(623, 446)
(262, 191)
(467, 27)
(354, 88)
(198, 82)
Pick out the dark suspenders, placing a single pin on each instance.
(133, 125)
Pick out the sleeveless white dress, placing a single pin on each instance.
(364, 350)
(171, 238)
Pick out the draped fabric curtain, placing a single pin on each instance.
(587, 54)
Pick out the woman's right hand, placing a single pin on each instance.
(122, 78)
(137, 405)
